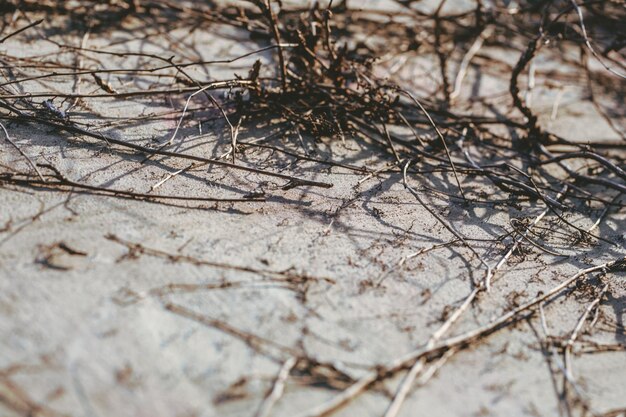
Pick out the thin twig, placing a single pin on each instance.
(277, 390)
(35, 23)
(30, 161)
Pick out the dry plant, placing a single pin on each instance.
(326, 72)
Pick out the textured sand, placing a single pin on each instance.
(99, 334)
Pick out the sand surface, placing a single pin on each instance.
(121, 307)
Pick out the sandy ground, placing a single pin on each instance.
(136, 319)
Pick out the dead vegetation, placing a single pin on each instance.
(329, 72)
